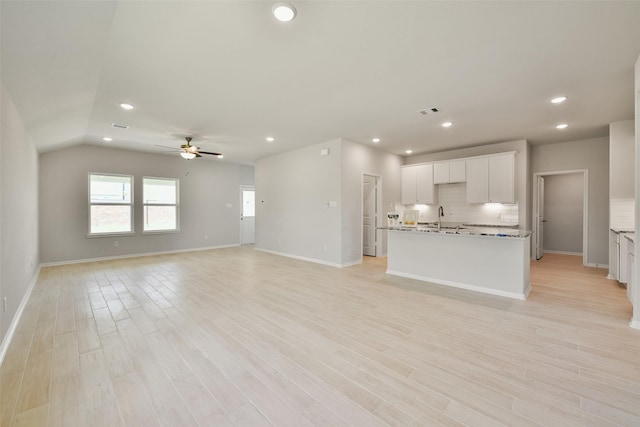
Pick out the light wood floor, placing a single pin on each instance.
(240, 337)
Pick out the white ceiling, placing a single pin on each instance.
(229, 74)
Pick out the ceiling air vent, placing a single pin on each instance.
(119, 126)
(428, 111)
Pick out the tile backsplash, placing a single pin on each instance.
(622, 213)
(453, 199)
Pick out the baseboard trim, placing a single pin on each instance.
(144, 254)
(513, 295)
(314, 260)
(6, 341)
(547, 251)
(595, 265)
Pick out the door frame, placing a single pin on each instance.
(378, 212)
(585, 209)
(245, 187)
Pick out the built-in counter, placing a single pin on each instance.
(490, 260)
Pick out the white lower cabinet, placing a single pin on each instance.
(614, 255)
(630, 263)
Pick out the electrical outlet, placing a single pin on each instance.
(4, 304)
(116, 244)
(206, 237)
(325, 248)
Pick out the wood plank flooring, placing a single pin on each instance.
(236, 337)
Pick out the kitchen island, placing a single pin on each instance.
(489, 260)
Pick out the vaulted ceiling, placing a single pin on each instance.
(230, 75)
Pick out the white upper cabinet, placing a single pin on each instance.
(458, 171)
(417, 185)
(491, 179)
(441, 173)
(408, 184)
(478, 180)
(449, 172)
(501, 178)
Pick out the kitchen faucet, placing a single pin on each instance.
(440, 215)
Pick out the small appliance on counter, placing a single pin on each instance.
(393, 219)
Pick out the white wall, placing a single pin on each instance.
(209, 202)
(522, 178)
(563, 212)
(591, 154)
(621, 159)
(293, 191)
(358, 159)
(18, 210)
(294, 216)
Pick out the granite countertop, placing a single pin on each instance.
(462, 230)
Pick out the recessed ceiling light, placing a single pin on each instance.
(107, 139)
(283, 12)
(270, 139)
(447, 124)
(375, 140)
(408, 151)
(126, 106)
(558, 99)
(562, 126)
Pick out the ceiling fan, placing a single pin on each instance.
(188, 151)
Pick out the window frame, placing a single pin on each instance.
(131, 205)
(176, 205)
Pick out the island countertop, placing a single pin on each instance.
(464, 231)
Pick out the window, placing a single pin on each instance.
(160, 197)
(110, 204)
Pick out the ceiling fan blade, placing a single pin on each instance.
(197, 155)
(209, 152)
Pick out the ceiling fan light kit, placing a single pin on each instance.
(187, 155)
(188, 151)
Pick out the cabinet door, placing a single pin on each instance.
(441, 173)
(457, 171)
(478, 180)
(425, 188)
(501, 188)
(408, 185)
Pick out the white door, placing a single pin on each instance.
(369, 215)
(247, 215)
(540, 218)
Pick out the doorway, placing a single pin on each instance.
(247, 214)
(370, 215)
(560, 213)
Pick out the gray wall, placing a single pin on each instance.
(522, 173)
(209, 202)
(358, 159)
(622, 160)
(593, 155)
(18, 211)
(293, 190)
(563, 211)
